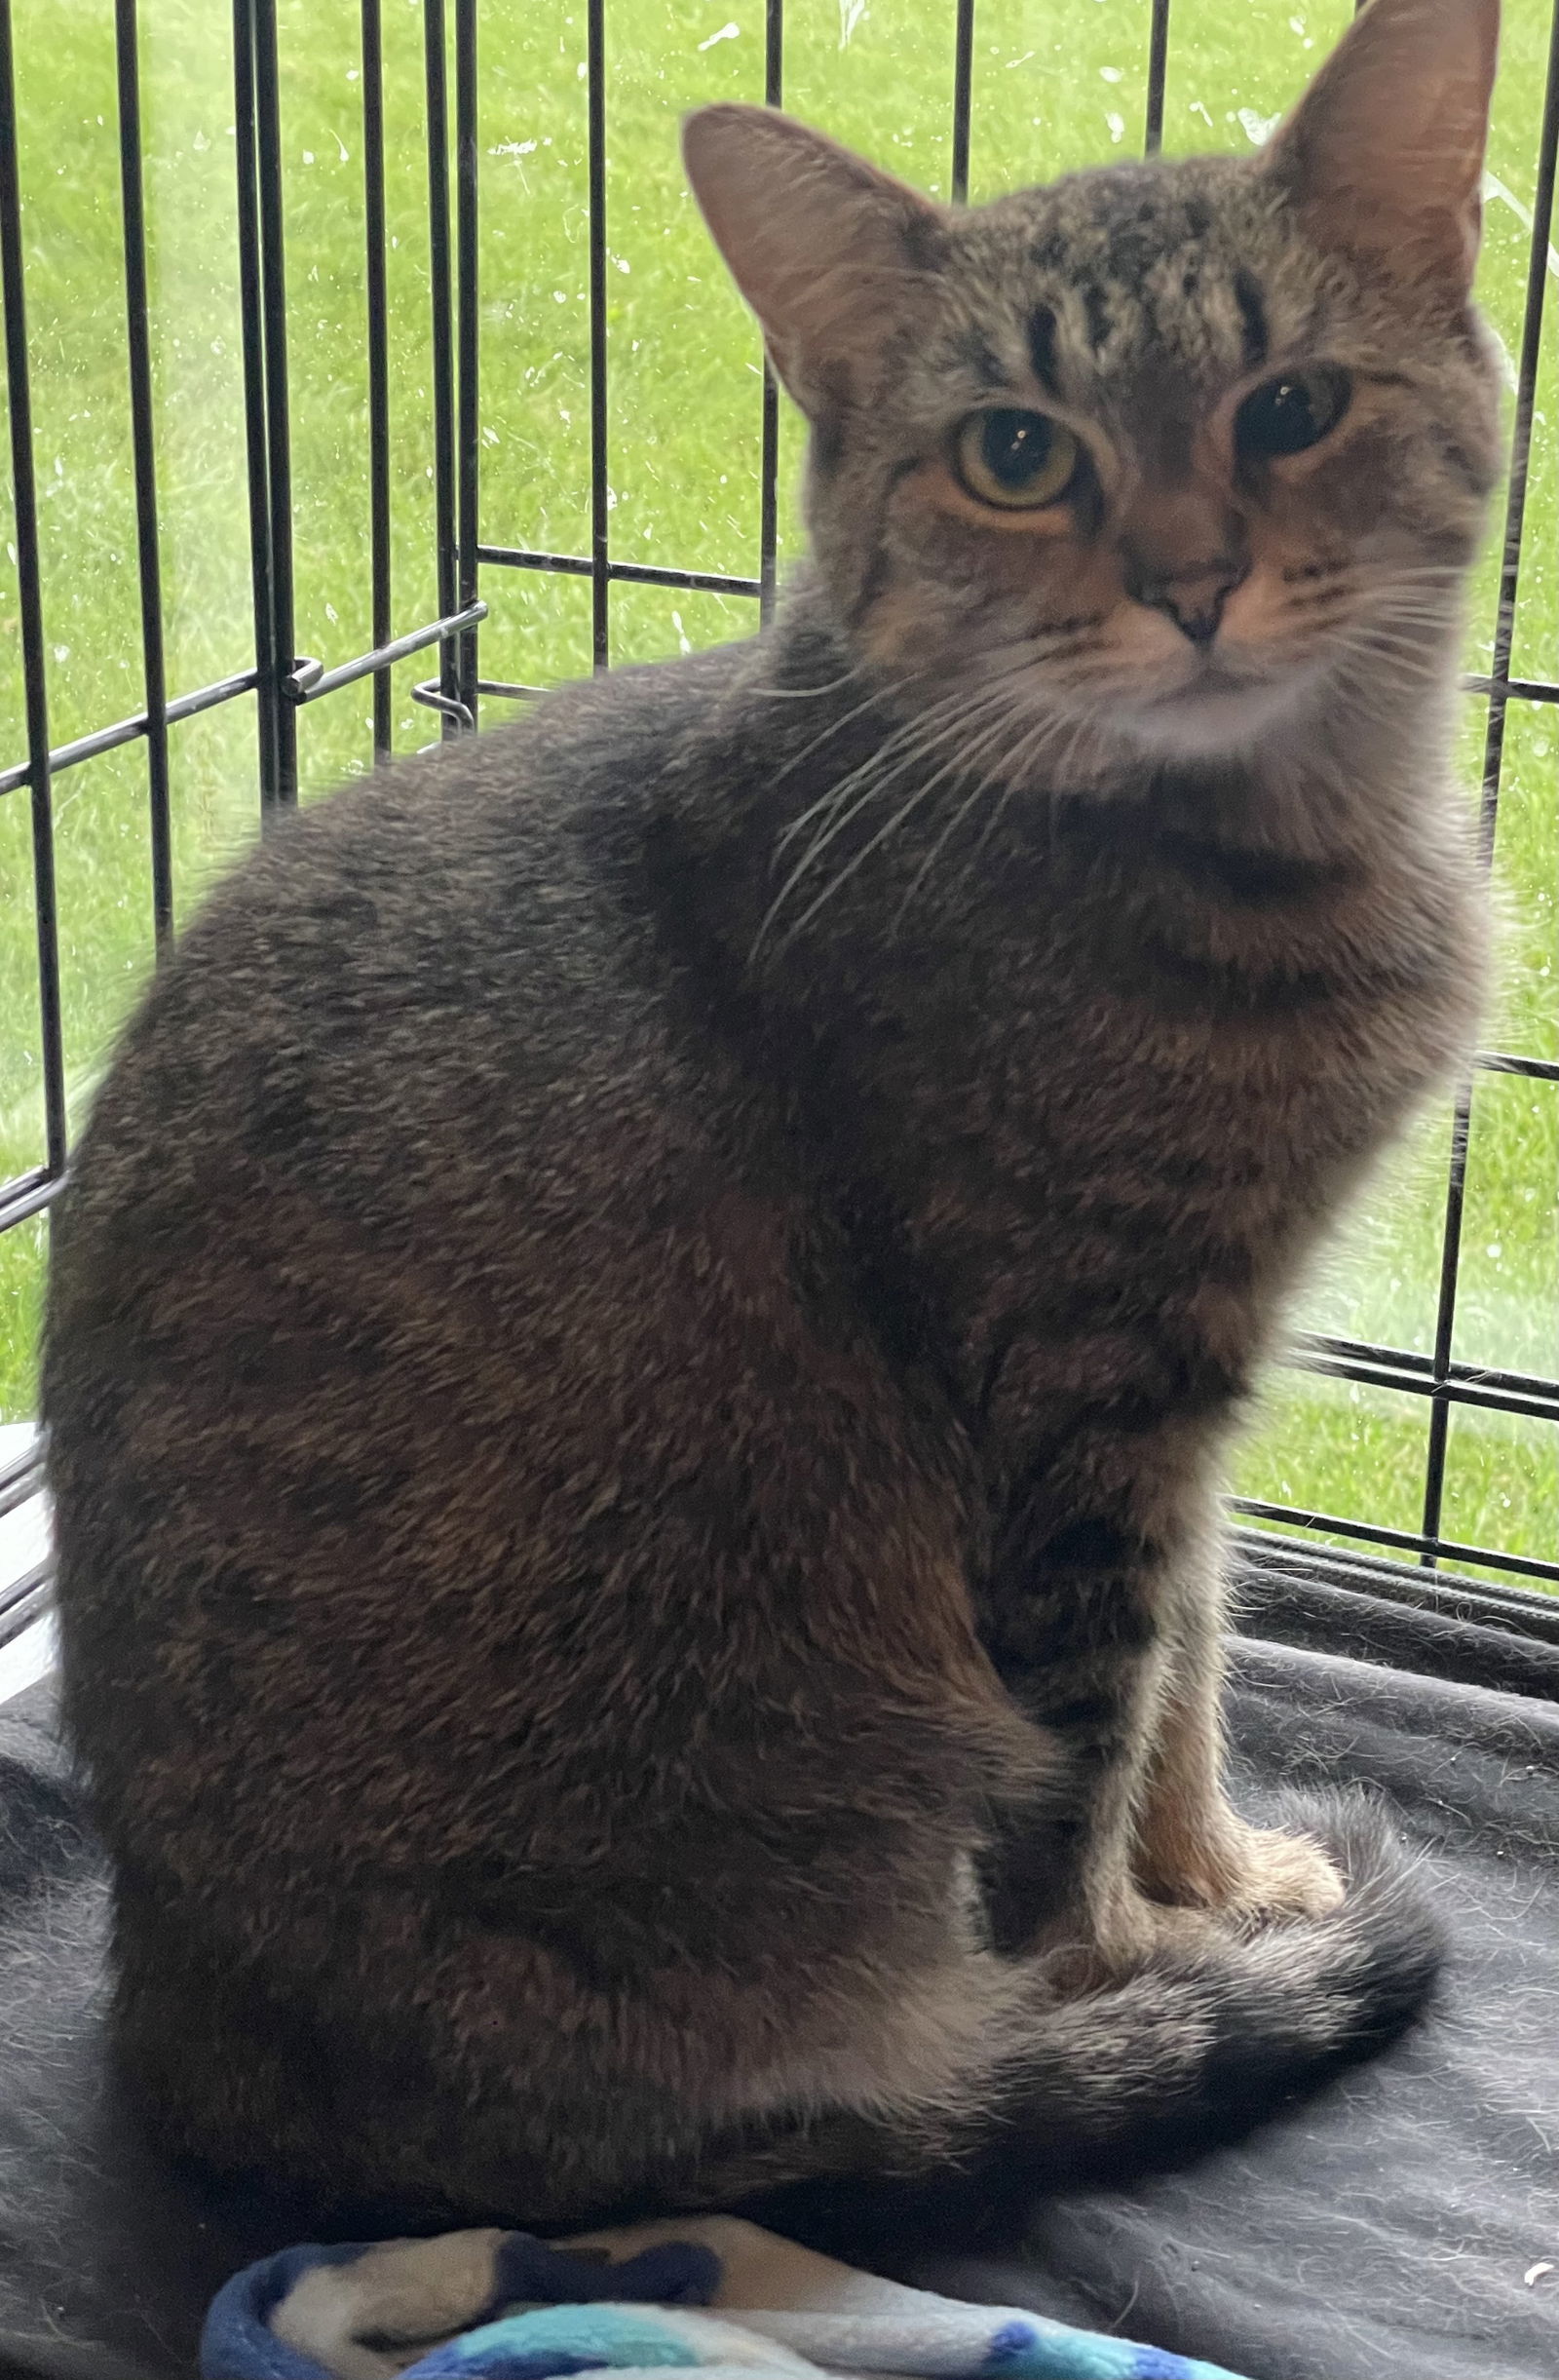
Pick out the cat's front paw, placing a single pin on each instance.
(1273, 1876)
(1256, 1875)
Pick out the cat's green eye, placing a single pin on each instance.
(1018, 460)
(1285, 415)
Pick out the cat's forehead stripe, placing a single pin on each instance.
(1042, 348)
(1253, 317)
(1080, 340)
(1183, 259)
(1196, 317)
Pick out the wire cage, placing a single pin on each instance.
(405, 305)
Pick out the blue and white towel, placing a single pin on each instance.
(494, 2305)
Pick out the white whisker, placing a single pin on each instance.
(972, 708)
(1002, 729)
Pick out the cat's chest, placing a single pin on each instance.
(1112, 1132)
(1062, 1084)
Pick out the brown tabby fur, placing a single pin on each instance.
(643, 1327)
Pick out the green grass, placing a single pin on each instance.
(1056, 85)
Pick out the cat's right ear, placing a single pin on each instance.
(826, 249)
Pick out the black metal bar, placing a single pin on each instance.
(1515, 689)
(521, 557)
(1158, 76)
(436, 69)
(963, 96)
(283, 794)
(768, 495)
(1494, 747)
(380, 552)
(468, 323)
(1430, 1549)
(1445, 1319)
(634, 574)
(311, 679)
(1522, 1608)
(125, 731)
(600, 493)
(1405, 1359)
(25, 1601)
(27, 1194)
(774, 40)
(251, 333)
(180, 707)
(1539, 1069)
(460, 718)
(21, 1479)
(1544, 1407)
(29, 608)
(143, 451)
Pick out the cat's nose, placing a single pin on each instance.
(1184, 550)
(1193, 596)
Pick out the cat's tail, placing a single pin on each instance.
(1194, 2047)
(1198, 2045)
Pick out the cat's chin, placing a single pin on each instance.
(1217, 716)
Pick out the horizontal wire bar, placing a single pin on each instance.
(714, 582)
(634, 574)
(125, 731)
(698, 582)
(453, 706)
(1525, 1608)
(28, 1195)
(1404, 1359)
(1443, 1548)
(1500, 1061)
(1404, 1383)
(23, 1480)
(304, 688)
(22, 1466)
(1521, 689)
(25, 1600)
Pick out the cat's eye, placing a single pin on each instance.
(1015, 459)
(1285, 415)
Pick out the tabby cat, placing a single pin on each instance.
(643, 1329)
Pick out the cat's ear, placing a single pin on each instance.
(1384, 153)
(826, 249)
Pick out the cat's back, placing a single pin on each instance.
(464, 931)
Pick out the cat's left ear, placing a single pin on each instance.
(1383, 154)
(826, 249)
